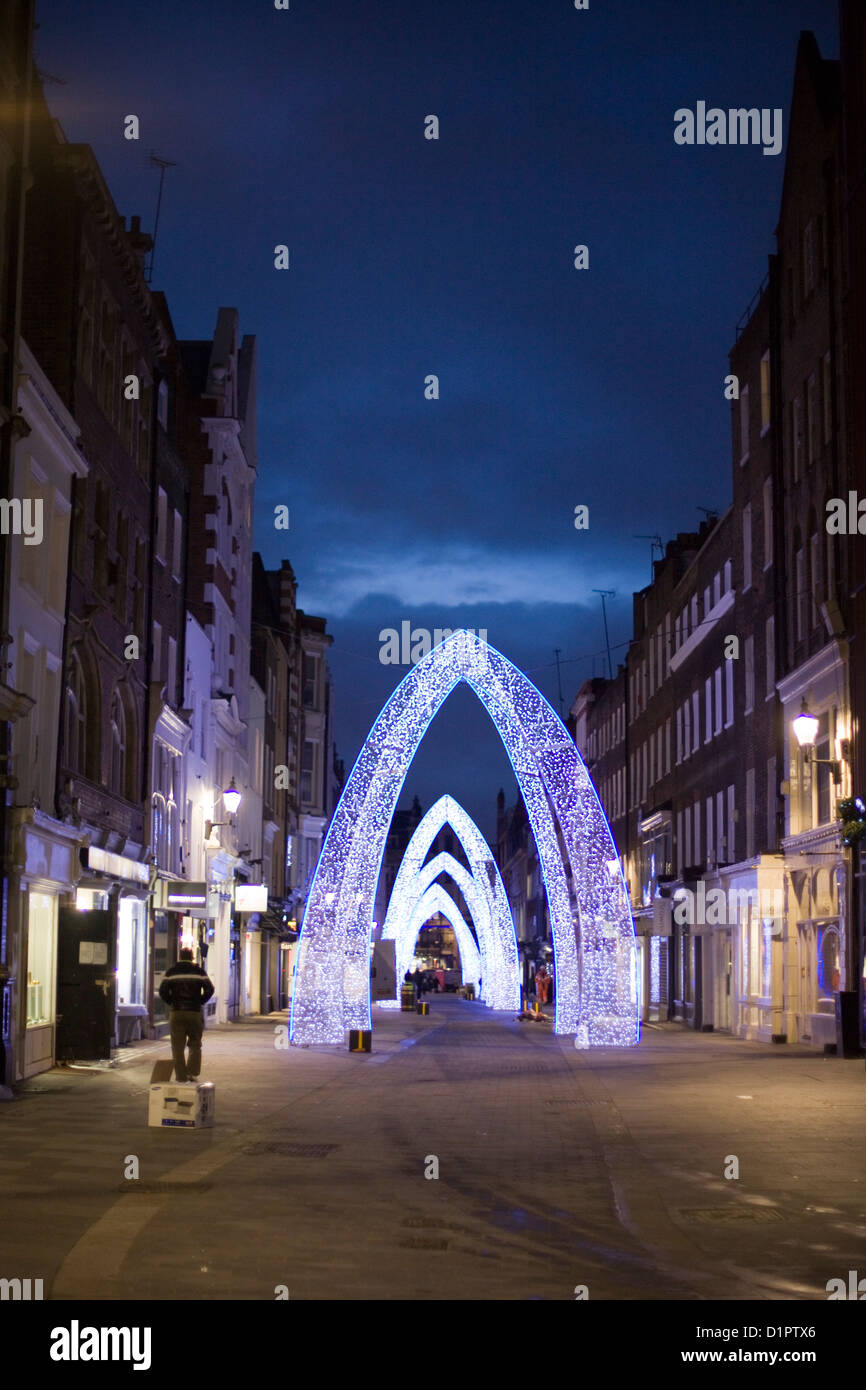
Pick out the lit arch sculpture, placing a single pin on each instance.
(399, 923)
(482, 889)
(437, 899)
(593, 931)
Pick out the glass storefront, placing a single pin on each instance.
(131, 951)
(41, 958)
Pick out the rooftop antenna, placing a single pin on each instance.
(161, 164)
(709, 512)
(49, 77)
(606, 593)
(656, 543)
(557, 650)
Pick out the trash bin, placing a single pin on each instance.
(407, 998)
(847, 1024)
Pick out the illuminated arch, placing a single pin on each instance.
(593, 931)
(497, 938)
(438, 899)
(399, 922)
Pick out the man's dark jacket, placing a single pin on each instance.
(185, 986)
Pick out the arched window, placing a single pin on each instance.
(159, 830)
(117, 734)
(75, 731)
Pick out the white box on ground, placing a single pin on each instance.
(181, 1105)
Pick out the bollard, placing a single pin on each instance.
(360, 1040)
(422, 1007)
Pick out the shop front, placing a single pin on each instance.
(103, 957)
(45, 853)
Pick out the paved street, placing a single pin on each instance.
(556, 1168)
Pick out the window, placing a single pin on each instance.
(717, 587)
(310, 674)
(171, 674)
(680, 860)
(768, 522)
(729, 693)
(75, 731)
(744, 425)
(307, 769)
(749, 653)
(800, 593)
(827, 397)
(117, 733)
(668, 744)
(750, 812)
(161, 525)
(808, 258)
(41, 957)
(797, 436)
(765, 393)
(771, 804)
(694, 622)
(710, 837)
(687, 729)
(708, 709)
(156, 653)
(177, 545)
(728, 578)
(687, 851)
(770, 654)
(144, 413)
(696, 720)
(679, 734)
(162, 404)
(731, 855)
(697, 816)
(721, 857)
(822, 770)
(813, 423)
(747, 546)
(717, 726)
(814, 580)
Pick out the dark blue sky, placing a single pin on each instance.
(454, 257)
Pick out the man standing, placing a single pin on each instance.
(186, 988)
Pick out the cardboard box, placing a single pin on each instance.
(181, 1105)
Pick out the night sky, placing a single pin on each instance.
(454, 257)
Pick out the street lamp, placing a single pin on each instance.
(806, 730)
(232, 799)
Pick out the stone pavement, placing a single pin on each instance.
(557, 1168)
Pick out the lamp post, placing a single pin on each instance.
(805, 728)
(232, 798)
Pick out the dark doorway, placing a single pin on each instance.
(86, 984)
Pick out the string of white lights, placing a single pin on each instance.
(497, 938)
(500, 982)
(435, 900)
(592, 927)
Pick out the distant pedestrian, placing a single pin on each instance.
(186, 988)
(542, 984)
